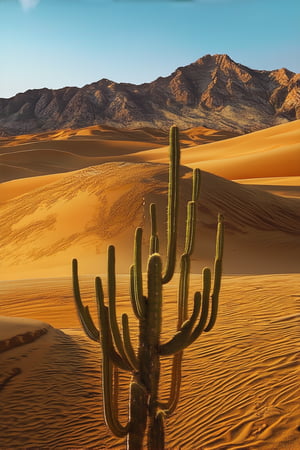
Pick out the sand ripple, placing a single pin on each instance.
(240, 384)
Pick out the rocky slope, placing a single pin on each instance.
(214, 92)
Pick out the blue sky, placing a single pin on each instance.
(57, 43)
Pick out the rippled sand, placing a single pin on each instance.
(241, 381)
(240, 385)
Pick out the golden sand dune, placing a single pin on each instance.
(80, 213)
(93, 133)
(65, 150)
(240, 385)
(21, 186)
(284, 186)
(50, 158)
(273, 152)
(104, 132)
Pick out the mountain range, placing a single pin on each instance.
(214, 92)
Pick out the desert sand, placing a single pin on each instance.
(241, 381)
(48, 220)
(240, 385)
(82, 212)
(65, 150)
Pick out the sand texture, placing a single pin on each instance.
(83, 212)
(240, 382)
(266, 153)
(70, 194)
(61, 151)
(273, 152)
(48, 220)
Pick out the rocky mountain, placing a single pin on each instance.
(214, 92)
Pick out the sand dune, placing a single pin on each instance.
(240, 384)
(107, 133)
(283, 186)
(21, 186)
(273, 152)
(80, 213)
(65, 150)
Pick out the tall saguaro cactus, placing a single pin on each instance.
(146, 411)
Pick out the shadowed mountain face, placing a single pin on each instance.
(214, 92)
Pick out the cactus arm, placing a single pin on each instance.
(189, 244)
(154, 297)
(170, 406)
(110, 400)
(191, 214)
(215, 295)
(90, 324)
(154, 242)
(202, 320)
(183, 289)
(131, 356)
(138, 297)
(154, 245)
(115, 391)
(175, 383)
(172, 204)
(83, 311)
(220, 237)
(217, 273)
(132, 292)
(206, 282)
(190, 227)
(109, 412)
(181, 339)
(104, 321)
(196, 184)
(152, 210)
(112, 307)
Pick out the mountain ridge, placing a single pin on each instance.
(214, 91)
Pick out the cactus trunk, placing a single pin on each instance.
(138, 411)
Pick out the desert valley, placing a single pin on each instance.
(71, 190)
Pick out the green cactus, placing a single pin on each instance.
(146, 411)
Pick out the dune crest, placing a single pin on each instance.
(65, 150)
(80, 213)
(273, 152)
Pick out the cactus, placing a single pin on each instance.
(147, 413)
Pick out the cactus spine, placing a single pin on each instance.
(146, 411)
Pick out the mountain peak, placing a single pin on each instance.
(218, 58)
(214, 92)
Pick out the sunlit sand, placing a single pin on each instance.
(72, 193)
(240, 384)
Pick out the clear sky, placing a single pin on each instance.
(57, 43)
